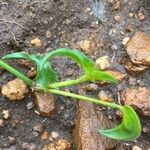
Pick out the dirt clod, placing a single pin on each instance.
(138, 49)
(15, 89)
(39, 128)
(88, 46)
(61, 144)
(139, 98)
(103, 62)
(45, 103)
(36, 42)
(45, 135)
(87, 123)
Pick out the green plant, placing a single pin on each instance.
(47, 81)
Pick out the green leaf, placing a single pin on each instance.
(86, 63)
(97, 75)
(21, 55)
(129, 129)
(45, 74)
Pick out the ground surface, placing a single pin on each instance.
(23, 20)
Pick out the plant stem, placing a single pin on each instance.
(86, 99)
(15, 72)
(69, 82)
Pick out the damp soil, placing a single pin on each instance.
(69, 22)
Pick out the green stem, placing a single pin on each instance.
(69, 82)
(15, 72)
(86, 99)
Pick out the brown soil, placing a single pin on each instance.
(23, 20)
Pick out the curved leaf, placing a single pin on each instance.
(129, 129)
(97, 75)
(86, 63)
(21, 55)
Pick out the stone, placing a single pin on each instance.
(36, 42)
(48, 34)
(12, 140)
(54, 134)
(136, 148)
(138, 49)
(138, 98)
(45, 103)
(117, 5)
(132, 68)
(30, 105)
(91, 87)
(146, 129)
(6, 114)
(45, 136)
(1, 123)
(85, 134)
(117, 18)
(117, 74)
(61, 144)
(103, 62)
(125, 41)
(88, 46)
(141, 16)
(39, 128)
(15, 89)
(105, 96)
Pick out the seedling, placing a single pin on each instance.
(47, 81)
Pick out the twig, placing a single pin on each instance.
(40, 2)
(13, 22)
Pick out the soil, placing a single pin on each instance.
(69, 22)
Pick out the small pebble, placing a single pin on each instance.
(117, 18)
(12, 140)
(131, 15)
(45, 136)
(125, 41)
(39, 128)
(1, 123)
(54, 134)
(91, 87)
(36, 42)
(136, 148)
(30, 105)
(48, 34)
(103, 62)
(6, 114)
(146, 129)
(103, 95)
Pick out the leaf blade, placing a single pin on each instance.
(129, 129)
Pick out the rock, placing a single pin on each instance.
(36, 42)
(1, 123)
(103, 95)
(125, 41)
(91, 87)
(45, 136)
(136, 148)
(139, 98)
(25, 63)
(30, 105)
(132, 68)
(141, 15)
(6, 114)
(45, 103)
(131, 15)
(103, 62)
(86, 134)
(54, 134)
(118, 75)
(61, 144)
(117, 18)
(88, 46)
(48, 34)
(146, 129)
(15, 89)
(12, 140)
(138, 49)
(39, 128)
